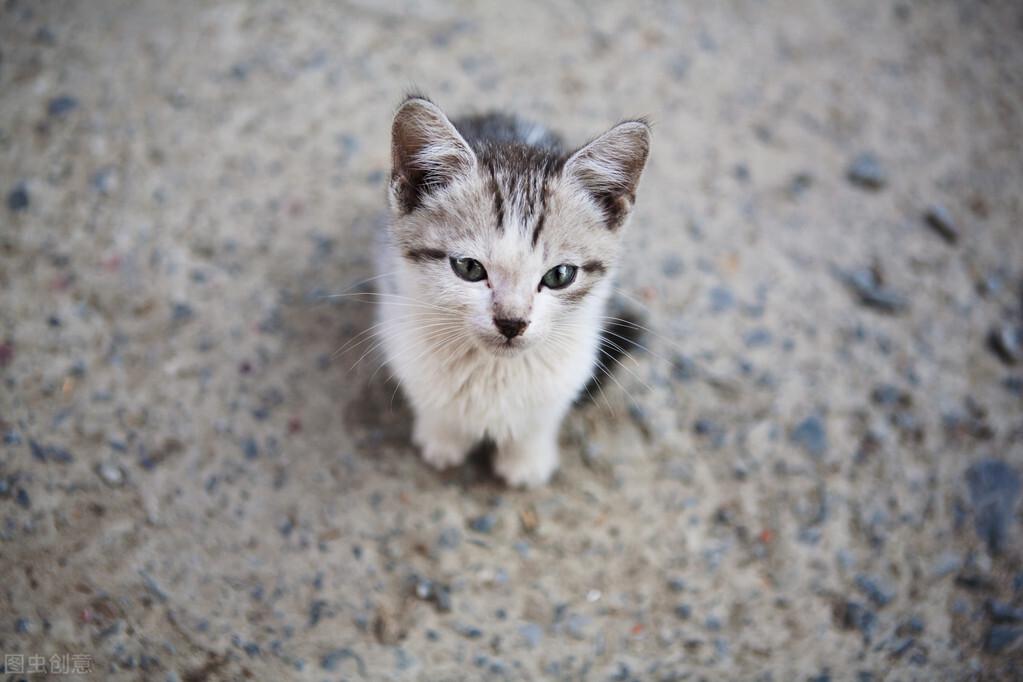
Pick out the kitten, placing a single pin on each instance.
(496, 270)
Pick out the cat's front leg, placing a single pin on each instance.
(530, 459)
(442, 443)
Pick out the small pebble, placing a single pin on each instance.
(913, 626)
(250, 448)
(316, 611)
(18, 199)
(532, 634)
(111, 474)
(333, 660)
(811, 435)
(1006, 340)
(799, 184)
(878, 592)
(449, 538)
(672, 266)
(49, 453)
(442, 598)
(994, 491)
(469, 631)
(940, 220)
(104, 180)
(152, 586)
(182, 312)
(683, 368)
(1002, 612)
(855, 616)
(867, 286)
(721, 299)
(757, 338)
(1001, 637)
(483, 524)
(61, 105)
(887, 395)
(423, 588)
(866, 171)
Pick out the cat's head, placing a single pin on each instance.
(513, 241)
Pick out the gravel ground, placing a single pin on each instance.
(813, 472)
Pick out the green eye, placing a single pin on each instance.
(468, 269)
(559, 277)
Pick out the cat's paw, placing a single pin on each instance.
(442, 455)
(527, 467)
(439, 448)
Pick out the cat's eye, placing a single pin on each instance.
(559, 277)
(469, 269)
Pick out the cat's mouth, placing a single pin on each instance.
(505, 347)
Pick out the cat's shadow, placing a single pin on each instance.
(380, 420)
(376, 416)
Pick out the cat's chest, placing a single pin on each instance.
(485, 383)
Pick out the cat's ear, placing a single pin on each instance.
(608, 168)
(427, 153)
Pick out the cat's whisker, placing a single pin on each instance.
(360, 283)
(367, 333)
(461, 345)
(441, 337)
(635, 325)
(460, 342)
(383, 339)
(406, 304)
(566, 339)
(371, 333)
(623, 366)
(398, 381)
(612, 377)
(386, 297)
(634, 342)
(431, 316)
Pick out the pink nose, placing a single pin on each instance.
(510, 328)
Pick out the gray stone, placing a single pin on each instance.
(1001, 637)
(111, 474)
(867, 286)
(852, 615)
(811, 435)
(867, 172)
(876, 590)
(18, 199)
(61, 105)
(1001, 612)
(1006, 340)
(940, 220)
(483, 524)
(333, 660)
(994, 491)
(532, 634)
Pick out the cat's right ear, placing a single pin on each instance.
(427, 153)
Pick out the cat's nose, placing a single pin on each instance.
(510, 328)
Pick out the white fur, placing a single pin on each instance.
(437, 330)
(461, 391)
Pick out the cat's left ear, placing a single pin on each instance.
(427, 153)
(608, 168)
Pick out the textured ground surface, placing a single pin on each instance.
(192, 487)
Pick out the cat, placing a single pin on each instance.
(495, 271)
